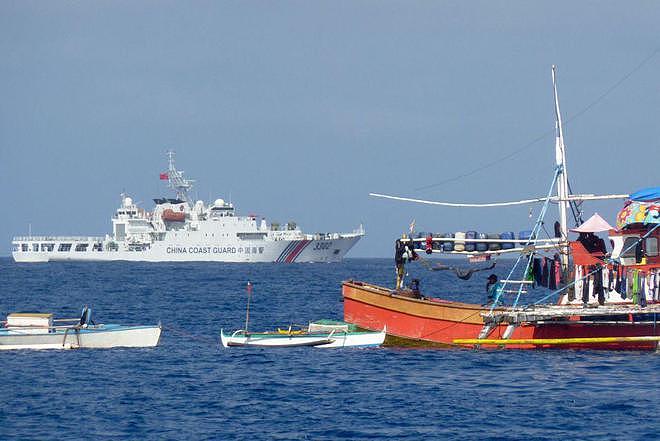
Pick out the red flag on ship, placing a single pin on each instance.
(164, 177)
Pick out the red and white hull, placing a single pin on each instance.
(438, 321)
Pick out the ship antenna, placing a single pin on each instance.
(560, 160)
(175, 179)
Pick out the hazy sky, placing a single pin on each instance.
(297, 110)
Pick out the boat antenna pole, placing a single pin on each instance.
(247, 310)
(562, 182)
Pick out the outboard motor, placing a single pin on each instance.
(85, 317)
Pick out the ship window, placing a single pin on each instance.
(64, 247)
(81, 247)
(24, 247)
(14, 247)
(651, 246)
(35, 247)
(629, 247)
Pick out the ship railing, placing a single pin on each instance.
(58, 239)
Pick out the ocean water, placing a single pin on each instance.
(189, 387)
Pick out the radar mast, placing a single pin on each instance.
(176, 180)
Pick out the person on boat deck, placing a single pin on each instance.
(592, 243)
(491, 288)
(414, 287)
(403, 253)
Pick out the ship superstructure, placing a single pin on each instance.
(181, 230)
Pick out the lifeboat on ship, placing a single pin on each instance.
(170, 215)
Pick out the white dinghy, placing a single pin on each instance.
(321, 334)
(41, 331)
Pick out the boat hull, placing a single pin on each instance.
(324, 340)
(279, 251)
(441, 322)
(101, 336)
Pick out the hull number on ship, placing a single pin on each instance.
(322, 246)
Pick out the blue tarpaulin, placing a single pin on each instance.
(646, 194)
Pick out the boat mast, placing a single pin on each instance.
(176, 181)
(562, 182)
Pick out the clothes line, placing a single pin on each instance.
(499, 204)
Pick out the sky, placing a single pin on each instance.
(296, 110)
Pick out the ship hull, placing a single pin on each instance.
(279, 251)
(441, 322)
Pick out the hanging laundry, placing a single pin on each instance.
(598, 284)
(585, 287)
(623, 284)
(578, 284)
(552, 280)
(538, 271)
(642, 289)
(634, 286)
(544, 272)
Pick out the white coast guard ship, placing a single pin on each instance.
(180, 231)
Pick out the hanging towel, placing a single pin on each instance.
(635, 286)
(544, 272)
(578, 284)
(585, 287)
(642, 289)
(552, 280)
(598, 285)
(538, 271)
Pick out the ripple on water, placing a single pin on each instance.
(189, 387)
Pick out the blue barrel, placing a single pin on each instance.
(507, 235)
(470, 246)
(524, 235)
(437, 243)
(448, 246)
(482, 246)
(422, 244)
(494, 246)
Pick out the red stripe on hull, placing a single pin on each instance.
(402, 324)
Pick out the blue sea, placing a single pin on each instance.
(191, 388)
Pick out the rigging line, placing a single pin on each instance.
(575, 208)
(556, 248)
(549, 132)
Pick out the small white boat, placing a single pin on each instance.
(322, 334)
(41, 331)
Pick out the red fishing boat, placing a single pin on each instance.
(602, 300)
